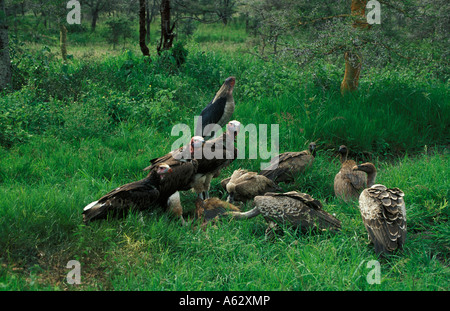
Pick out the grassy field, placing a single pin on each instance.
(72, 132)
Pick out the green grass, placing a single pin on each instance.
(70, 133)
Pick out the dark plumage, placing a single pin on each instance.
(138, 195)
(244, 185)
(348, 183)
(184, 169)
(384, 215)
(218, 111)
(293, 208)
(216, 154)
(284, 167)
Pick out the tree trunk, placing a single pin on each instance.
(142, 30)
(353, 59)
(63, 41)
(94, 19)
(5, 61)
(167, 35)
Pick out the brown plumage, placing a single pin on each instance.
(216, 154)
(287, 165)
(211, 208)
(348, 183)
(138, 195)
(244, 185)
(384, 215)
(293, 208)
(184, 169)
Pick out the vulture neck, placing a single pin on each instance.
(153, 177)
(343, 157)
(371, 177)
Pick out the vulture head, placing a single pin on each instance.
(162, 170)
(196, 143)
(227, 88)
(343, 151)
(233, 128)
(371, 171)
(365, 167)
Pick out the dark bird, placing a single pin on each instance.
(285, 166)
(293, 208)
(383, 212)
(348, 183)
(216, 154)
(218, 111)
(244, 185)
(184, 169)
(139, 195)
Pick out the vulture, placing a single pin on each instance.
(218, 111)
(184, 169)
(348, 183)
(216, 154)
(293, 208)
(244, 185)
(210, 209)
(138, 195)
(285, 166)
(383, 212)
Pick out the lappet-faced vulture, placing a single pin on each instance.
(287, 165)
(139, 195)
(218, 111)
(184, 169)
(216, 154)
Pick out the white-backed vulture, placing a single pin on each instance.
(244, 185)
(216, 154)
(383, 212)
(218, 111)
(293, 208)
(286, 166)
(138, 195)
(348, 183)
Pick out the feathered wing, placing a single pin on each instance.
(307, 212)
(384, 216)
(284, 166)
(211, 114)
(137, 195)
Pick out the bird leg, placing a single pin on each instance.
(272, 230)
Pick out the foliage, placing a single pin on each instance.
(119, 28)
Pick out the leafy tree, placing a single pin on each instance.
(119, 27)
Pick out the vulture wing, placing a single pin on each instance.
(211, 114)
(139, 195)
(284, 166)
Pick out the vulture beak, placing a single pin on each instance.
(359, 167)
